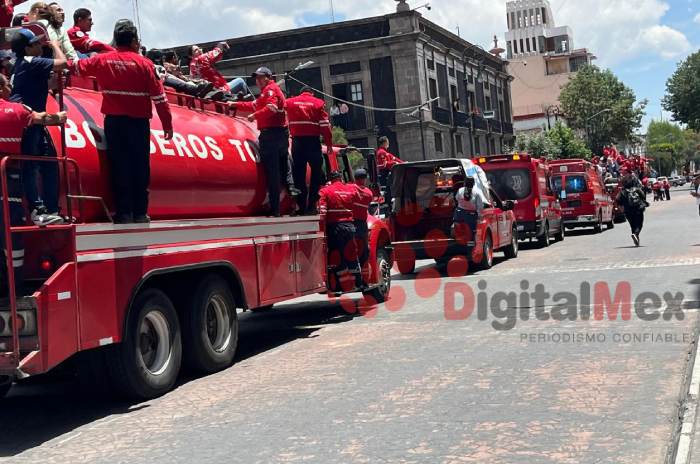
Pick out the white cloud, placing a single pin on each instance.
(669, 43)
(697, 18)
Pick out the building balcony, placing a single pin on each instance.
(441, 115)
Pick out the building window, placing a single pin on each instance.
(345, 68)
(512, 20)
(527, 44)
(577, 62)
(509, 46)
(522, 46)
(356, 92)
(431, 65)
(438, 142)
(501, 114)
(432, 83)
(520, 20)
(472, 101)
(458, 144)
(488, 103)
(455, 97)
(477, 146)
(493, 146)
(544, 16)
(515, 47)
(451, 72)
(534, 44)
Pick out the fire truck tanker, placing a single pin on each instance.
(141, 300)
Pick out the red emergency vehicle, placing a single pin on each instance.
(526, 181)
(140, 300)
(584, 200)
(422, 209)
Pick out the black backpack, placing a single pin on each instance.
(635, 199)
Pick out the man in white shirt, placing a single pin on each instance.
(51, 16)
(696, 191)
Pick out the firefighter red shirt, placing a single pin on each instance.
(385, 160)
(14, 118)
(7, 11)
(202, 67)
(307, 117)
(82, 42)
(268, 108)
(128, 84)
(336, 202)
(360, 205)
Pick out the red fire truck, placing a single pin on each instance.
(422, 209)
(585, 201)
(140, 300)
(526, 180)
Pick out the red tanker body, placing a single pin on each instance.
(142, 299)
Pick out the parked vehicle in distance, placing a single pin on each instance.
(422, 209)
(584, 200)
(526, 180)
(677, 181)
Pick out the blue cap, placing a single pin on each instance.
(23, 39)
(360, 174)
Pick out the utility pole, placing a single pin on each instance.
(332, 11)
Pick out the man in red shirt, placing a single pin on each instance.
(129, 86)
(78, 34)
(385, 161)
(268, 112)
(7, 10)
(308, 121)
(336, 202)
(360, 211)
(14, 119)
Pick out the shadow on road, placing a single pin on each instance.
(46, 407)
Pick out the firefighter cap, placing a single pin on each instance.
(360, 174)
(262, 71)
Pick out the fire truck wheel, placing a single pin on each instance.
(487, 253)
(610, 225)
(544, 239)
(598, 228)
(561, 234)
(5, 385)
(381, 293)
(511, 251)
(146, 364)
(210, 328)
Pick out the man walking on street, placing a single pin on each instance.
(633, 199)
(268, 112)
(360, 211)
(128, 84)
(308, 121)
(30, 86)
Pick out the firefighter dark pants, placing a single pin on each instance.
(636, 221)
(307, 151)
(342, 252)
(362, 242)
(17, 218)
(273, 151)
(35, 143)
(128, 151)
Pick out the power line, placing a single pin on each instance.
(357, 105)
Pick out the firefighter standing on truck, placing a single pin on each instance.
(14, 119)
(268, 112)
(336, 203)
(360, 211)
(128, 84)
(308, 120)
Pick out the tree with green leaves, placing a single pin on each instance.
(596, 103)
(560, 142)
(666, 142)
(683, 93)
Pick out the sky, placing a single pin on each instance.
(642, 41)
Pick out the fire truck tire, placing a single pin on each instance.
(487, 253)
(544, 239)
(561, 235)
(381, 293)
(598, 228)
(146, 364)
(610, 225)
(210, 327)
(511, 251)
(5, 385)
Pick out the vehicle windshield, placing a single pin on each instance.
(574, 184)
(510, 184)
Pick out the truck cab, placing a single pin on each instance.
(584, 199)
(526, 180)
(420, 215)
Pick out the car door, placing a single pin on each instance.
(504, 223)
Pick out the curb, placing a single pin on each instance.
(690, 407)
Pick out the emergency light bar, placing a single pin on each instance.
(502, 158)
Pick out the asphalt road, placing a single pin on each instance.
(415, 382)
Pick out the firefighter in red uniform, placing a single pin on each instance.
(14, 119)
(336, 203)
(129, 85)
(360, 211)
(7, 10)
(268, 111)
(385, 161)
(308, 120)
(78, 34)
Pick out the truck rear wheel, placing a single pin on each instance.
(598, 228)
(146, 364)
(210, 327)
(487, 253)
(381, 293)
(561, 234)
(5, 385)
(544, 239)
(511, 251)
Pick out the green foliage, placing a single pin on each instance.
(683, 92)
(667, 143)
(560, 142)
(339, 137)
(356, 160)
(593, 90)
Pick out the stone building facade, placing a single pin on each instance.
(399, 60)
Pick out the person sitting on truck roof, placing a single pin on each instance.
(78, 34)
(54, 24)
(200, 89)
(30, 81)
(202, 66)
(467, 211)
(15, 118)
